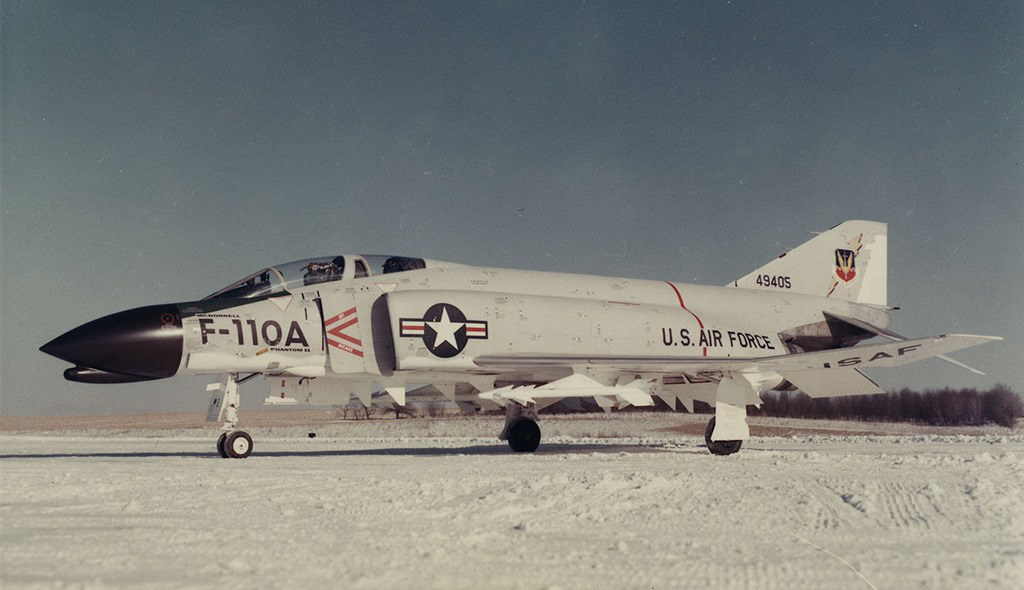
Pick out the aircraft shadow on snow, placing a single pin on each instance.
(481, 450)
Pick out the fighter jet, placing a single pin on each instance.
(326, 329)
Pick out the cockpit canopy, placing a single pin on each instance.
(285, 277)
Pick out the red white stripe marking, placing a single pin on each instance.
(419, 327)
(683, 305)
(338, 333)
(412, 328)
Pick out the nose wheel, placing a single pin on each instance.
(234, 445)
(220, 445)
(224, 402)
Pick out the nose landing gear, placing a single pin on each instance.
(234, 445)
(224, 402)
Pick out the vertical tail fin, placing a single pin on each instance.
(849, 261)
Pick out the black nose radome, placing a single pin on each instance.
(145, 343)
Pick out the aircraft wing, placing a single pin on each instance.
(887, 354)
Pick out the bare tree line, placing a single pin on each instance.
(358, 411)
(941, 407)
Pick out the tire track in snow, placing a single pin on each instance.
(826, 516)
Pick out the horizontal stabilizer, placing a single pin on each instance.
(896, 337)
(887, 354)
(832, 383)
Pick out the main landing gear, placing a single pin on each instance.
(524, 435)
(224, 402)
(720, 447)
(521, 430)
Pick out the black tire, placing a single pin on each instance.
(720, 447)
(524, 435)
(220, 445)
(238, 445)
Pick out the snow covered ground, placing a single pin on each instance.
(441, 504)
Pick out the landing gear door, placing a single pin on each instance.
(348, 328)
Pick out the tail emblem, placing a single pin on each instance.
(846, 266)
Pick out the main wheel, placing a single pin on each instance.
(720, 447)
(238, 445)
(524, 435)
(220, 445)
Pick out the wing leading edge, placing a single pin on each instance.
(886, 354)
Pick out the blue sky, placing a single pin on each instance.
(155, 151)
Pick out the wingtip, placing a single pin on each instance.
(973, 337)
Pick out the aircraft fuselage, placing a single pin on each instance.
(326, 329)
(381, 325)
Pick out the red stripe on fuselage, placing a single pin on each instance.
(683, 305)
(346, 348)
(341, 315)
(355, 341)
(338, 329)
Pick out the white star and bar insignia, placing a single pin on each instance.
(444, 329)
